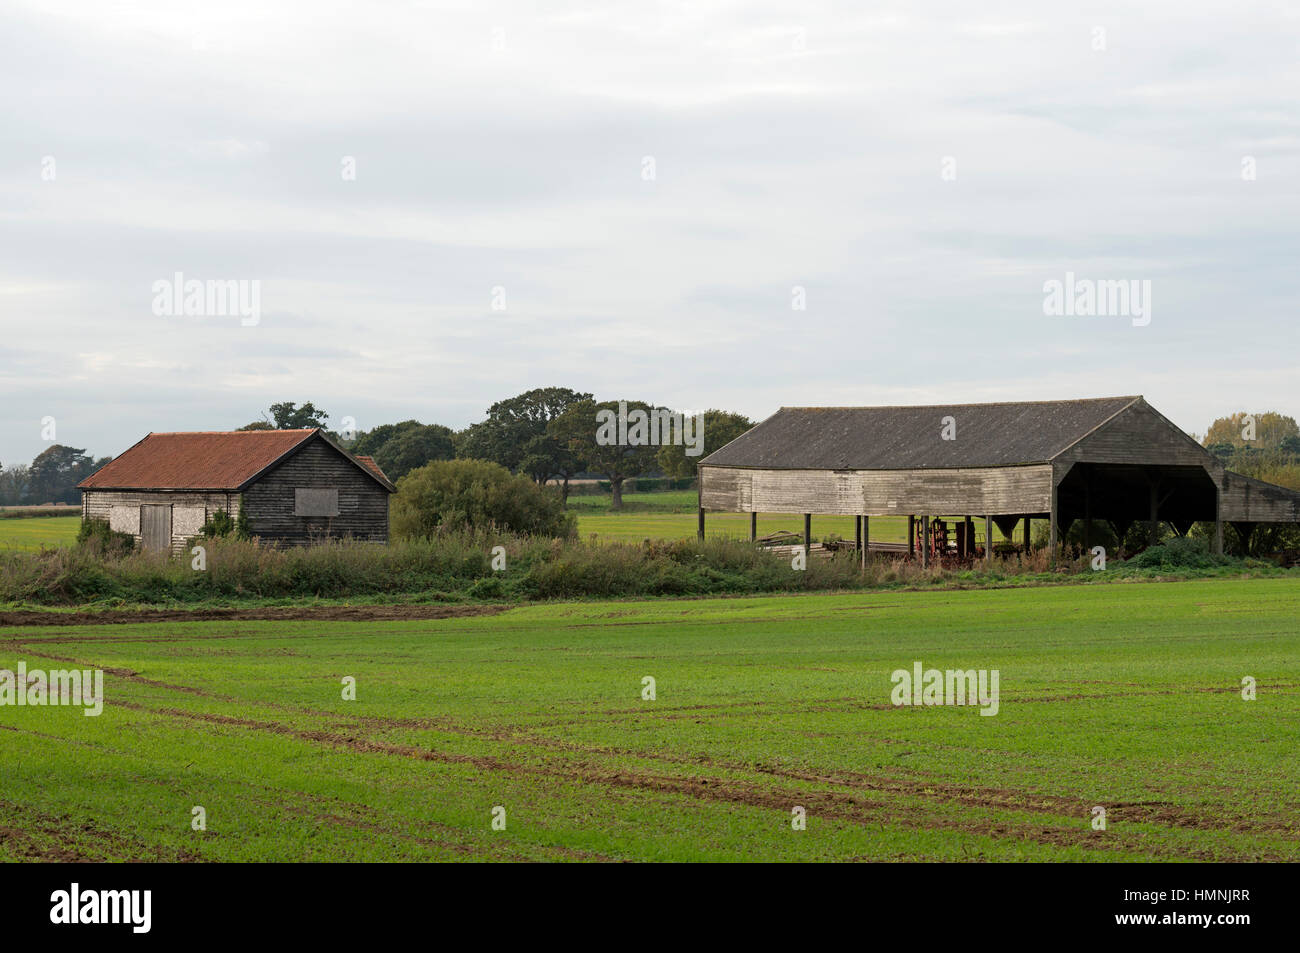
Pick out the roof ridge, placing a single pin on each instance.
(987, 403)
(208, 433)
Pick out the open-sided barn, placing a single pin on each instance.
(294, 486)
(1114, 458)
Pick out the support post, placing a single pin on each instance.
(988, 540)
(1027, 540)
(1087, 513)
(925, 541)
(911, 536)
(1218, 520)
(857, 532)
(701, 529)
(753, 527)
(968, 549)
(866, 540)
(807, 534)
(1153, 522)
(1052, 534)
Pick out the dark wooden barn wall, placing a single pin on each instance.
(1140, 436)
(363, 503)
(1253, 501)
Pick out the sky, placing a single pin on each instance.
(743, 205)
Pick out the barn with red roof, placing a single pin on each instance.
(293, 486)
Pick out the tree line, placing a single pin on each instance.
(551, 435)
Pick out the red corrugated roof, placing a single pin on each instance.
(370, 464)
(203, 460)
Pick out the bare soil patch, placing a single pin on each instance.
(28, 617)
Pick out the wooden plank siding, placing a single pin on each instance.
(270, 502)
(362, 503)
(1254, 501)
(121, 510)
(1139, 436)
(1117, 459)
(982, 490)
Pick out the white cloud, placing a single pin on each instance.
(794, 143)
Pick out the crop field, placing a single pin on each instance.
(1126, 697)
(665, 515)
(31, 533)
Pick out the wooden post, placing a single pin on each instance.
(1052, 534)
(701, 530)
(1027, 538)
(807, 534)
(866, 540)
(753, 527)
(1155, 509)
(1087, 513)
(969, 549)
(988, 539)
(925, 541)
(857, 532)
(911, 536)
(1218, 520)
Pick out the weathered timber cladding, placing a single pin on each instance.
(993, 490)
(1110, 458)
(1141, 436)
(362, 503)
(1248, 500)
(189, 510)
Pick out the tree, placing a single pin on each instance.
(369, 441)
(1271, 429)
(505, 436)
(289, 416)
(717, 429)
(57, 470)
(580, 428)
(548, 457)
(414, 447)
(15, 481)
(478, 495)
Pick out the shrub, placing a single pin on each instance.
(1180, 552)
(475, 495)
(219, 526)
(97, 536)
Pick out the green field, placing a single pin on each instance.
(31, 533)
(669, 515)
(1122, 696)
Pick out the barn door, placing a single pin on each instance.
(156, 528)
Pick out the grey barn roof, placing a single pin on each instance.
(897, 438)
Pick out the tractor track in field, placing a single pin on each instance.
(351, 731)
(31, 840)
(1156, 812)
(362, 613)
(1159, 813)
(849, 807)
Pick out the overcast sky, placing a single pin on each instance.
(505, 145)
